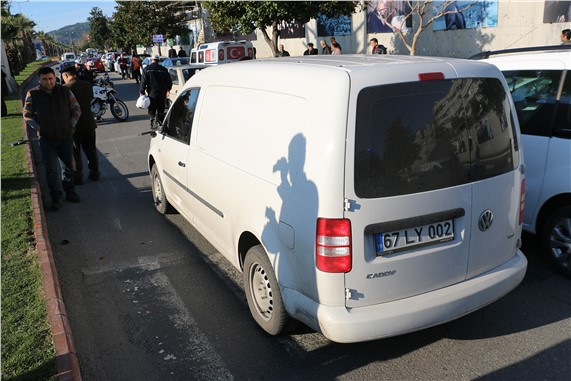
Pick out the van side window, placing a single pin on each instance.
(181, 116)
(562, 126)
(421, 136)
(534, 93)
(174, 77)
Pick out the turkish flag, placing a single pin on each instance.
(236, 52)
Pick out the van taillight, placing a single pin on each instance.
(220, 54)
(250, 52)
(430, 76)
(333, 245)
(522, 201)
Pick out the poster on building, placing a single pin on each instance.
(466, 14)
(291, 29)
(336, 26)
(384, 16)
(557, 11)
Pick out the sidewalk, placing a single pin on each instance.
(66, 357)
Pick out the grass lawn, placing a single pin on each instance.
(27, 348)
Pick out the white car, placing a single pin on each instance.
(365, 196)
(180, 74)
(540, 83)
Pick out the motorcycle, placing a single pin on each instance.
(104, 97)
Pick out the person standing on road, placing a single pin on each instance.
(84, 135)
(53, 111)
(376, 48)
(157, 83)
(172, 52)
(565, 37)
(181, 52)
(136, 68)
(282, 52)
(310, 51)
(325, 49)
(123, 65)
(83, 73)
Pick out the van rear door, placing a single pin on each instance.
(416, 179)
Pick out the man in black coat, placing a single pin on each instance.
(84, 135)
(157, 83)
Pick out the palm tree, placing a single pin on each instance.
(17, 32)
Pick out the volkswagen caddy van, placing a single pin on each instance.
(539, 79)
(365, 196)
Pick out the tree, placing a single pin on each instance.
(17, 32)
(245, 16)
(99, 32)
(423, 14)
(135, 22)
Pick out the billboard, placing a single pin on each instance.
(483, 14)
(385, 15)
(333, 26)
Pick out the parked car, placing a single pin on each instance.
(147, 61)
(180, 75)
(65, 64)
(176, 61)
(96, 64)
(334, 218)
(68, 56)
(540, 83)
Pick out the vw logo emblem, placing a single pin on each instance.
(486, 219)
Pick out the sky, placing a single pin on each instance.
(50, 15)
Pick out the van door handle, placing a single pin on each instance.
(181, 164)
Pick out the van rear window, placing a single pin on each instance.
(421, 136)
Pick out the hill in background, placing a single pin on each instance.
(71, 34)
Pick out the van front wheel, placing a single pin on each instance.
(556, 237)
(263, 292)
(159, 197)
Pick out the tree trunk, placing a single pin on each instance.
(272, 42)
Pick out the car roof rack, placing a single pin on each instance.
(487, 54)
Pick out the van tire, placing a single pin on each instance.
(556, 239)
(159, 198)
(263, 292)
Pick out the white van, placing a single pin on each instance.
(365, 196)
(219, 52)
(68, 57)
(539, 79)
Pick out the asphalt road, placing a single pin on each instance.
(149, 299)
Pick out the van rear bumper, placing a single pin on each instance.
(344, 325)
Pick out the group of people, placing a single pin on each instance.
(335, 48)
(172, 53)
(61, 116)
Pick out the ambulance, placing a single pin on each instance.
(214, 53)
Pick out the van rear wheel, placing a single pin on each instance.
(263, 292)
(159, 197)
(556, 239)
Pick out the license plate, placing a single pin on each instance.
(430, 234)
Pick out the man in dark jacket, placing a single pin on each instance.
(157, 83)
(310, 51)
(84, 135)
(172, 52)
(52, 110)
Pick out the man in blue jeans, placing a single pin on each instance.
(53, 111)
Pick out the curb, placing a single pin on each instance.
(67, 363)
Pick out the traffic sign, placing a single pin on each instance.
(157, 38)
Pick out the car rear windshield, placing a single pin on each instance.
(421, 136)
